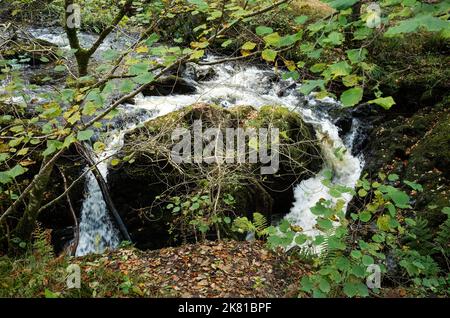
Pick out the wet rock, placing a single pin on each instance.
(26, 49)
(170, 85)
(148, 180)
(417, 148)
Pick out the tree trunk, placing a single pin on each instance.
(27, 223)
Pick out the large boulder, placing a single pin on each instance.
(164, 202)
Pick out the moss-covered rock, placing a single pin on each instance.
(147, 181)
(417, 148)
(413, 69)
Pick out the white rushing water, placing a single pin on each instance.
(248, 85)
(234, 84)
(97, 231)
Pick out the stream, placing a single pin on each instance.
(232, 84)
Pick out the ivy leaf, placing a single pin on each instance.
(385, 102)
(351, 96)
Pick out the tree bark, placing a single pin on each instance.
(27, 223)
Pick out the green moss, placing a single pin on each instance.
(413, 69)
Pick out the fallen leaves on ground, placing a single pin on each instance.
(208, 269)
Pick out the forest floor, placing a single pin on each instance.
(210, 269)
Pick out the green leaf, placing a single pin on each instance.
(324, 224)
(393, 177)
(306, 284)
(356, 55)
(350, 289)
(16, 171)
(49, 294)
(99, 146)
(227, 43)
(138, 69)
(338, 70)
(362, 193)
(341, 4)
(446, 210)
(269, 55)
(85, 134)
(425, 21)
(414, 186)
(59, 68)
(272, 39)
(365, 216)
(334, 38)
(367, 260)
(308, 86)
(301, 19)
(324, 285)
(342, 263)
(144, 78)
(197, 54)
(110, 55)
(152, 39)
(200, 4)
(351, 96)
(248, 46)
(52, 146)
(300, 239)
(385, 102)
(356, 254)
(126, 86)
(263, 30)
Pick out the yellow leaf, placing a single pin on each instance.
(22, 152)
(115, 162)
(142, 49)
(290, 65)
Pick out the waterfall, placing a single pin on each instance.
(234, 84)
(237, 84)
